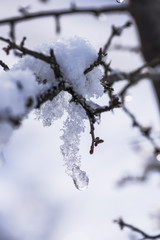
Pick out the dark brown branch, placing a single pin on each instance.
(5, 67)
(27, 51)
(114, 103)
(92, 113)
(48, 59)
(145, 131)
(97, 62)
(135, 76)
(123, 225)
(92, 136)
(94, 11)
(95, 140)
(53, 91)
(55, 65)
(12, 31)
(116, 31)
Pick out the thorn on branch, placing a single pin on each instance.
(24, 10)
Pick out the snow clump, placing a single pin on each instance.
(73, 56)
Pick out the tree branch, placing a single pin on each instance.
(97, 62)
(145, 131)
(122, 225)
(116, 31)
(94, 11)
(5, 67)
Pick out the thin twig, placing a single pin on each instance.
(97, 62)
(116, 31)
(5, 67)
(122, 225)
(94, 11)
(54, 65)
(92, 136)
(12, 31)
(48, 59)
(145, 131)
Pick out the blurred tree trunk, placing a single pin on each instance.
(146, 14)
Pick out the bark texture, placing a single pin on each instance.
(146, 14)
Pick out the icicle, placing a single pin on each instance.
(80, 178)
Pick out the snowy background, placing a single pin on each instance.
(38, 200)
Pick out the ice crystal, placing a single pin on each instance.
(73, 127)
(53, 110)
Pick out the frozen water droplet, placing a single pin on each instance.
(80, 178)
(119, 1)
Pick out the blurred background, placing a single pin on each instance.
(38, 200)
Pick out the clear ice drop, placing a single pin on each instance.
(80, 178)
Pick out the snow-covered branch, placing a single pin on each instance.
(63, 78)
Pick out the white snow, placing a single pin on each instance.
(38, 200)
(17, 87)
(74, 56)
